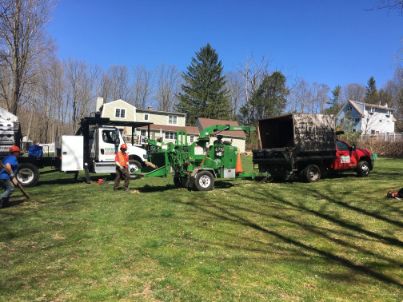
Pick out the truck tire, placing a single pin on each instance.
(311, 173)
(28, 174)
(204, 181)
(363, 168)
(134, 165)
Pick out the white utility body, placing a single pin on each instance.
(72, 158)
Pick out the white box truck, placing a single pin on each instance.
(91, 150)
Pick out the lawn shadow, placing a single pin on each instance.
(346, 205)
(232, 213)
(72, 180)
(152, 189)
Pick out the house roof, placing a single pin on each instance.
(378, 106)
(116, 101)
(206, 122)
(160, 112)
(355, 105)
(358, 106)
(189, 129)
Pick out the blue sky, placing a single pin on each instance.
(333, 42)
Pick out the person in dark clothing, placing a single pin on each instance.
(7, 175)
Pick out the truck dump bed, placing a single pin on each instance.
(305, 133)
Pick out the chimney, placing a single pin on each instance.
(99, 104)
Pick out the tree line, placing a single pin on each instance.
(51, 95)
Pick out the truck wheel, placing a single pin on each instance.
(311, 173)
(28, 174)
(134, 166)
(363, 168)
(204, 181)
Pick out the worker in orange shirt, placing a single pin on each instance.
(122, 167)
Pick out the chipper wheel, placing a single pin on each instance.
(204, 181)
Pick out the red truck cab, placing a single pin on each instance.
(351, 158)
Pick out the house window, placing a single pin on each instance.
(357, 120)
(120, 113)
(173, 119)
(372, 131)
(143, 132)
(170, 135)
(146, 117)
(191, 138)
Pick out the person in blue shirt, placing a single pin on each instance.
(7, 175)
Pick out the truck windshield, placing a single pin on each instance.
(342, 146)
(110, 136)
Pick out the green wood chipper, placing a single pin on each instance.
(197, 165)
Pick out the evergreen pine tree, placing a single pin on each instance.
(334, 101)
(204, 93)
(371, 94)
(268, 100)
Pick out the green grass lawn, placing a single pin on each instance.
(335, 240)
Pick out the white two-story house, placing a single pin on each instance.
(165, 124)
(367, 118)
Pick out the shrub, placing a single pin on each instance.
(383, 148)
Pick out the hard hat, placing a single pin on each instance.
(123, 147)
(14, 149)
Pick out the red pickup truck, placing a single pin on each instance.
(352, 158)
(306, 146)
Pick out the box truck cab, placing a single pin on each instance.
(105, 143)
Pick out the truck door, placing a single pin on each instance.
(107, 140)
(344, 160)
